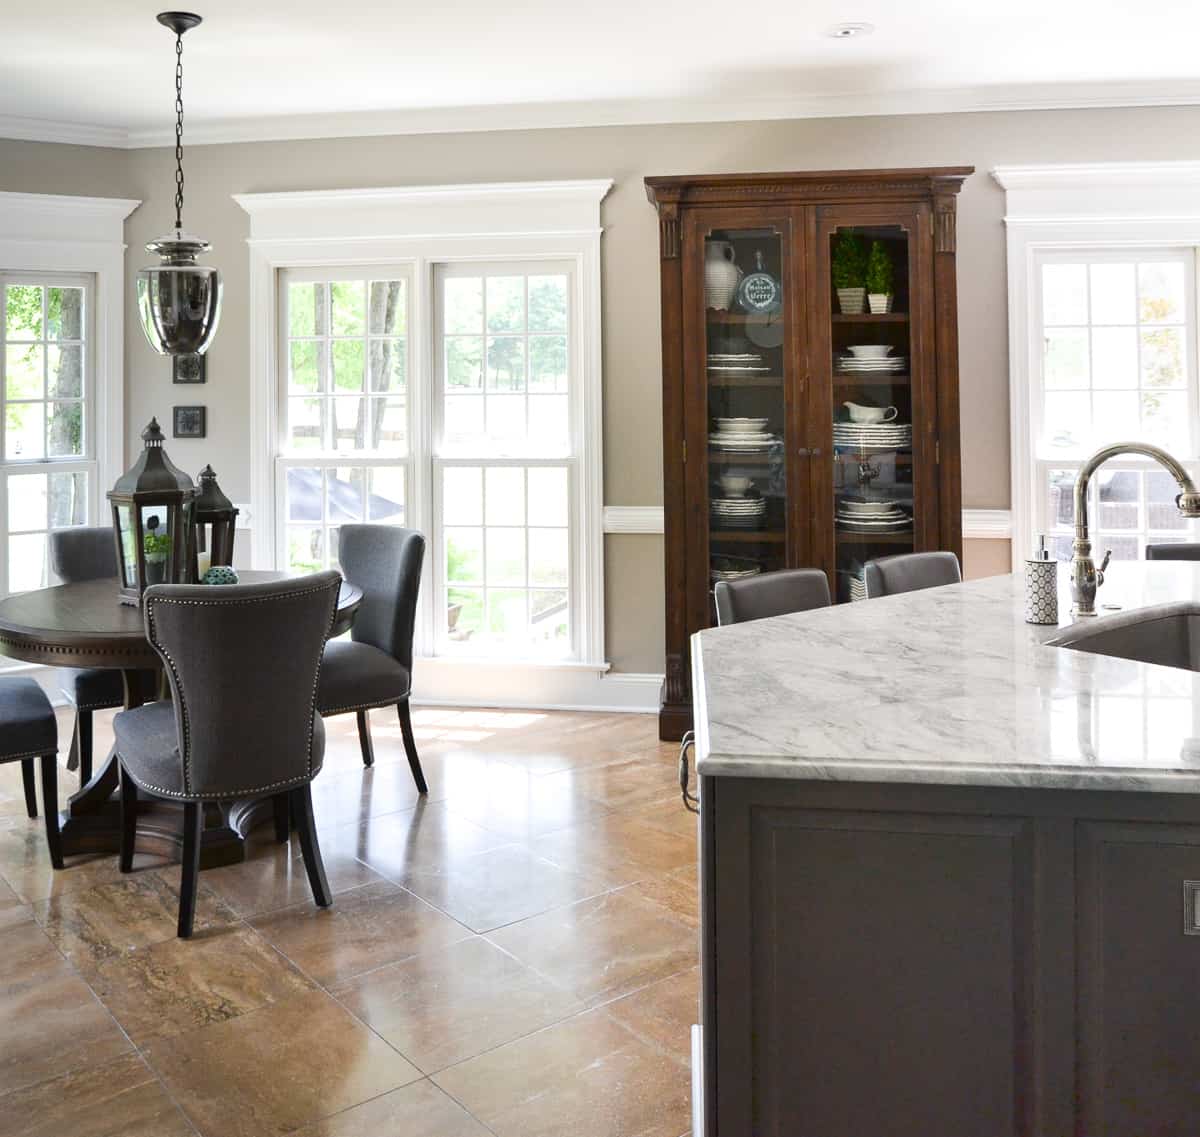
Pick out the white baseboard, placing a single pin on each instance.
(566, 687)
(697, 1080)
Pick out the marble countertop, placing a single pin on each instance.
(949, 686)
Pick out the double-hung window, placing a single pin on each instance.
(1115, 336)
(501, 461)
(505, 459)
(343, 408)
(47, 447)
(434, 361)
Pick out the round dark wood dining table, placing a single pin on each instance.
(85, 625)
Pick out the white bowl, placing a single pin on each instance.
(870, 350)
(734, 485)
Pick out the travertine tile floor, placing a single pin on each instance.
(515, 955)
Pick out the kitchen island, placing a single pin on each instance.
(949, 872)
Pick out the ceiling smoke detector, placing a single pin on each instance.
(849, 30)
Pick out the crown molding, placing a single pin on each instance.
(67, 133)
(620, 112)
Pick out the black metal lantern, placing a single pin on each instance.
(215, 518)
(179, 301)
(152, 506)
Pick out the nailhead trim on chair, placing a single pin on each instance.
(152, 602)
(365, 706)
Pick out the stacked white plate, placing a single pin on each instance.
(741, 434)
(877, 435)
(739, 512)
(891, 365)
(733, 568)
(858, 588)
(737, 363)
(871, 516)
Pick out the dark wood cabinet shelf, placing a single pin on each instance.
(854, 537)
(871, 318)
(745, 380)
(721, 316)
(767, 536)
(789, 224)
(871, 379)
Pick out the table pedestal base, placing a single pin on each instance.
(92, 823)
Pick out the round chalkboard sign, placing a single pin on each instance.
(759, 291)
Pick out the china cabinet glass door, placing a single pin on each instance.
(745, 372)
(882, 414)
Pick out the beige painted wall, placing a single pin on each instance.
(630, 266)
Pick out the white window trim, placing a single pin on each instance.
(419, 227)
(56, 233)
(1061, 207)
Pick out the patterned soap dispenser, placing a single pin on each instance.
(1041, 586)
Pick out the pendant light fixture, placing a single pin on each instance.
(179, 301)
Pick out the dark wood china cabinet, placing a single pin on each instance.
(806, 423)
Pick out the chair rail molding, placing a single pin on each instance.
(43, 232)
(1083, 205)
(987, 524)
(633, 519)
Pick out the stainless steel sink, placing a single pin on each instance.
(1166, 634)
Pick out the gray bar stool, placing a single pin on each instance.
(910, 572)
(770, 594)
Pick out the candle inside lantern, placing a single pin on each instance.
(203, 563)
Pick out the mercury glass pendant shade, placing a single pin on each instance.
(179, 301)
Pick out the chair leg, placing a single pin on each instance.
(30, 788)
(129, 805)
(193, 826)
(283, 817)
(50, 805)
(364, 737)
(410, 746)
(306, 827)
(83, 727)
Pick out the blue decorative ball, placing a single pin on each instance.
(220, 574)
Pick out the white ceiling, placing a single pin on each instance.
(102, 70)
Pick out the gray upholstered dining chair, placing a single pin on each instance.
(770, 594)
(374, 667)
(29, 730)
(1189, 551)
(81, 553)
(910, 572)
(243, 663)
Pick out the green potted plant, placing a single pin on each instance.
(850, 272)
(157, 547)
(880, 287)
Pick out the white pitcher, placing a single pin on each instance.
(721, 275)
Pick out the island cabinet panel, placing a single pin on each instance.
(931, 961)
(805, 422)
(1139, 975)
(891, 938)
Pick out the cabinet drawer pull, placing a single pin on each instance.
(690, 801)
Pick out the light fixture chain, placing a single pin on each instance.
(178, 132)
